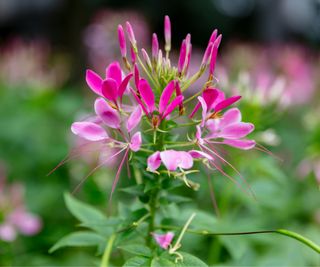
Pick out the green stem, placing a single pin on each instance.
(107, 251)
(291, 234)
(300, 238)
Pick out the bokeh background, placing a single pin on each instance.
(269, 53)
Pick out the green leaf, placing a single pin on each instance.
(190, 260)
(82, 211)
(139, 250)
(161, 262)
(78, 239)
(137, 261)
(136, 190)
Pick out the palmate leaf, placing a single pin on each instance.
(82, 211)
(137, 261)
(138, 250)
(79, 239)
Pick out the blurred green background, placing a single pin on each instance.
(269, 53)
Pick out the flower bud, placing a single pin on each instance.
(122, 41)
(167, 33)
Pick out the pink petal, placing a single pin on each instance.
(154, 161)
(242, 144)
(122, 41)
(123, 86)
(163, 240)
(165, 96)
(139, 101)
(94, 81)
(237, 130)
(197, 106)
(226, 103)
(136, 75)
(106, 113)
(110, 89)
(134, 119)
(7, 232)
(136, 141)
(114, 72)
(147, 94)
(210, 95)
(231, 116)
(89, 131)
(176, 102)
(204, 110)
(200, 154)
(173, 159)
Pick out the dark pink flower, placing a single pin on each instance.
(113, 86)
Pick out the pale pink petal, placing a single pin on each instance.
(106, 113)
(226, 103)
(214, 126)
(231, 116)
(165, 96)
(130, 32)
(204, 110)
(89, 131)
(200, 154)
(7, 232)
(94, 81)
(176, 102)
(237, 130)
(124, 84)
(147, 94)
(114, 72)
(154, 161)
(173, 159)
(136, 141)
(110, 89)
(134, 119)
(163, 240)
(242, 144)
(199, 134)
(27, 223)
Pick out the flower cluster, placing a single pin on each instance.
(141, 105)
(14, 216)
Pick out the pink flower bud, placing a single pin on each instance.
(207, 54)
(155, 46)
(214, 54)
(131, 36)
(167, 33)
(213, 36)
(182, 57)
(133, 55)
(146, 57)
(122, 41)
